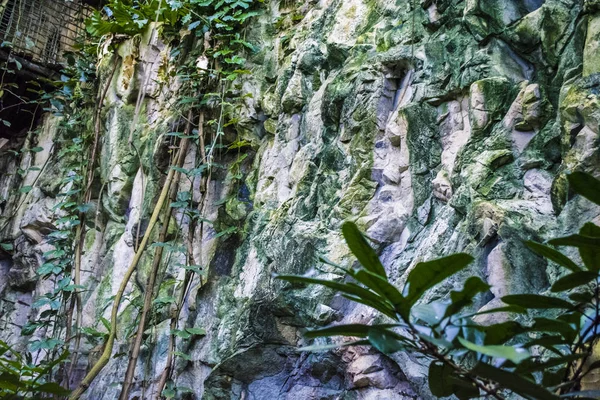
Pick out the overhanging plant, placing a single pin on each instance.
(546, 359)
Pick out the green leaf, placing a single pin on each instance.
(26, 189)
(568, 331)
(7, 246)
(506, 352)
(514, 382)
(381, 286)
(590, 255)
(536, 301)
(553, 255)
(182, 355)
(196, 331)
(181, 334)
(573, 280)
(36, 149)
(473, 286)
(578, 241)
(356, 291)
(585, 185)
(425, 275)
(361, 249)
(440, 382)
(532, 365)
(502, 332)
(385, 341)
(53, 388)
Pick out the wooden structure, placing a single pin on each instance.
(42, 30)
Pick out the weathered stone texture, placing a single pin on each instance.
(444, 128)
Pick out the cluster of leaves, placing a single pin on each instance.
(21, 377)
(544, 358)
(131, 17)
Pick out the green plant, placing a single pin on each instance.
(541, 357)
(22, 378)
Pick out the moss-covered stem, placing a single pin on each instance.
(149, 292)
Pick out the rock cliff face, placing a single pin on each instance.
(438, 125)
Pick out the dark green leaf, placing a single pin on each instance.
(573, 280)
(579, 241)
(585, 185)
(356, 291)
(440, 382)
(531, 365)
(361, 249)
(502, 332)
(385, 341)
(555, 326)
(53, 388)
(590, 255)
(553, 255)
(514, 382)
(381, 286)
(425, 275)
(536, 301)
(473, 286)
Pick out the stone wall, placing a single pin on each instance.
(440, 128)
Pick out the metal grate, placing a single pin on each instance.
(42, 30)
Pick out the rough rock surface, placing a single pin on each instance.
(447, 127)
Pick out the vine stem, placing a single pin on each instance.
(149, 292)
(108, 346)
(187, 281)
(80, 235)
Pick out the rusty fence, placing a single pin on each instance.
(42, 30)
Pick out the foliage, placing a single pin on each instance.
(533, 356)
(131, 17)
(21, 377)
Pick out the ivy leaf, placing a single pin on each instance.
(196, 331)
(182, 355)
(181, 334)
